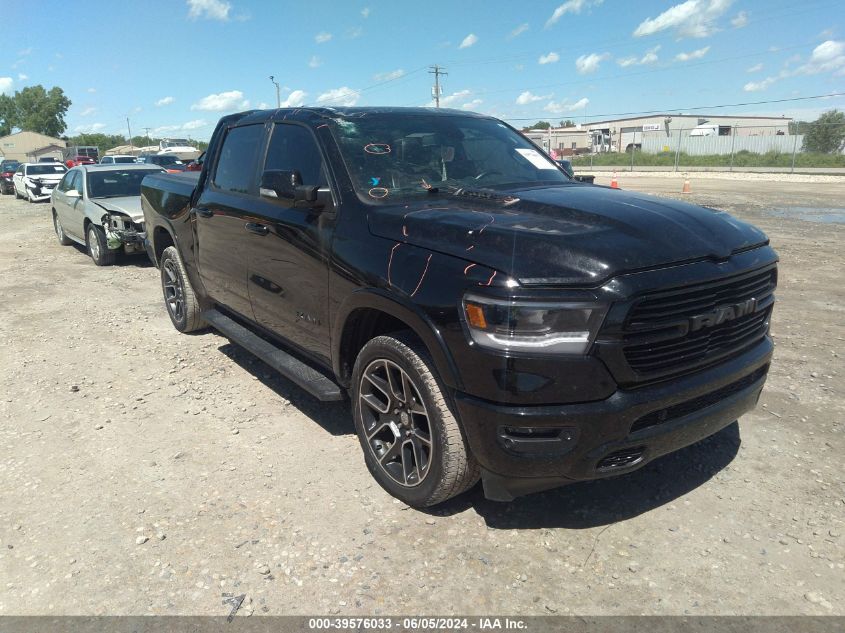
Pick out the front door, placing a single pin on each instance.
(289, 249)
(222, 214)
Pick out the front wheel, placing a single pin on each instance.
(98, 249)
(179, 297)
(412, 442)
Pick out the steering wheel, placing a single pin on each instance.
(487, 172)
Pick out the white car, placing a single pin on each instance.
(120, 159)
(35, 181)
(99, 207)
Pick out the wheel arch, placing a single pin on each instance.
(371, 312)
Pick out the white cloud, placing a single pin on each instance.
(389, 76)
(471, 105)
(6, 85)
(560, 107)
(696, 54)
(22, 77)
(518, 31)
(529, 97)
(469, 40)
(92, 90)
(342, 96)
(322, 37)
(194, 125)
(693, 18)
(757, 86)
(88, 111)
(25, 52)
(571, 6)
(756, 68)
(452, 99)
(355, 32)
(587, 64)
(209, 10)
(231, 100)
(263, 105)
(739, 20)
(365, 12)
(826, 57)
(315, 62)
(295, 99)
(650, 57)
(551, 58)
(165, 101)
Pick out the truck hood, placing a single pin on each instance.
(568, 234)
(130, 205)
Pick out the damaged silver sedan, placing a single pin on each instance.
(99, 206)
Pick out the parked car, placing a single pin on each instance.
(171, 163)
(100, 207)
(566, 166)
(35, 181)
(7, 172)
(196, 165)
(49, 159)
(119, 159)
(486, 314)
(79, 160)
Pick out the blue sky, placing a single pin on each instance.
(175, 66)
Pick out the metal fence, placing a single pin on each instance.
(709, 145)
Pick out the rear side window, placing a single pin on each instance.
(293, 148)
(236, 165)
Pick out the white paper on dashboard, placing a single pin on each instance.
(533, 157)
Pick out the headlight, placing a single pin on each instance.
(538, 326)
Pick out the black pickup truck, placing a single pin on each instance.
(488, 316)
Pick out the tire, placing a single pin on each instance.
(179, 298)
(17, 195)
(60, 233)
(95, 240)
(419, 472)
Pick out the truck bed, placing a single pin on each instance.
(168, 194)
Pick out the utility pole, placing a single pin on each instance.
(436, 91)
(129, 129)
(147, 133)
(278, 94)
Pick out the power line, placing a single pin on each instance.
(696, 108)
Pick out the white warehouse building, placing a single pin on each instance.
(662, 133)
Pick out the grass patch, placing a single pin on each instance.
(740, 159)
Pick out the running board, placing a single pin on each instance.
(315, 383)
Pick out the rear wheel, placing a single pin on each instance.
(60, 232)
(412, 442)
(179, 297)
(99, 251)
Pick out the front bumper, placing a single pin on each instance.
(525, 449)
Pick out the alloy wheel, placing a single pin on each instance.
(93, 244)
(174, 291)
(396, 422)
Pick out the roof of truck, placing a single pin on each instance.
(307, 114)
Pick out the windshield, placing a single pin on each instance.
(45, 169)
(116, 183)
(167, 160)
(124, 159)
(399, 155)
(9, 165)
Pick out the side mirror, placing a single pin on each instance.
(287, 187)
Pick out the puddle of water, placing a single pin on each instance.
(827, 215)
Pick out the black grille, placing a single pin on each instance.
(658, 337)
(691, 406)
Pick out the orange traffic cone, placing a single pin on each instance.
(613, 183)
(686, 188)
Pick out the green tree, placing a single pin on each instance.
(540, 125)
(8, 115)
(37, 110)
(827, 133)
(567, 123)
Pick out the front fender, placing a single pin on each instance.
(410, 314)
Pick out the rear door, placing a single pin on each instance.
(222, 213)
(289, 248)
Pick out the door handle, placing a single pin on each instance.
(203, 212)
(258, 229)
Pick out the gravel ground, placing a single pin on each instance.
(148, 472)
